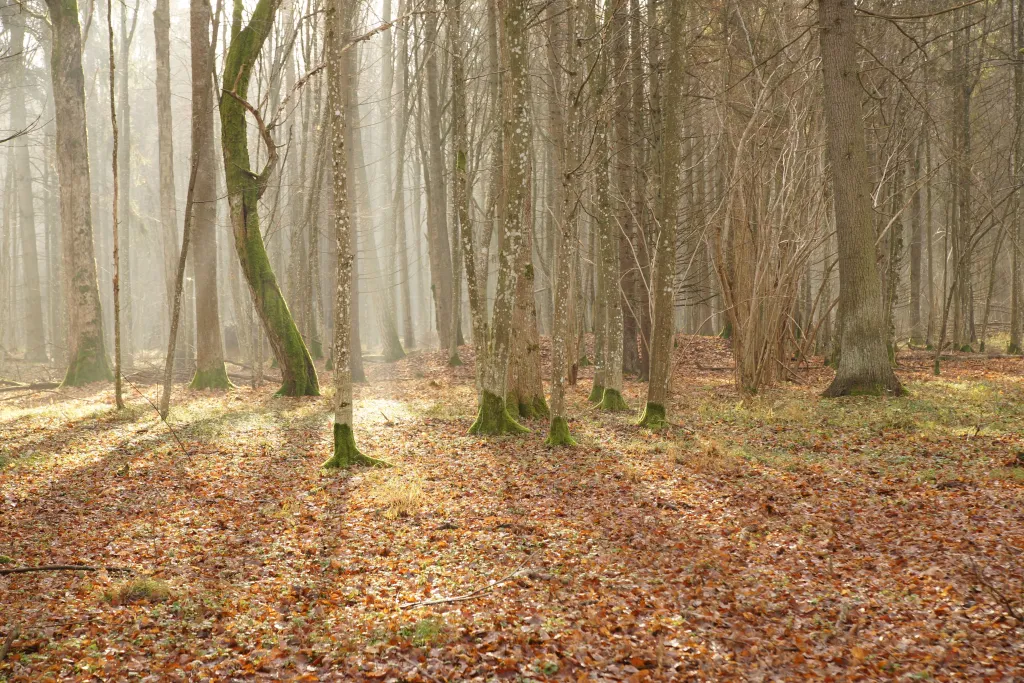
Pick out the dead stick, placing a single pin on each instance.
(469, 596)
(8, 642)
(61, 568)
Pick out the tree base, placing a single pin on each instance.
(612, 401)
(329, 364)
(653, 416)
(1013, 349)
(90, 365)
(966, 348)
(583, 362)
(316, 349)
(493, 419)
(890, 386)
(596, 394)
(454, 361)
(530, 409)
(558, 433)
(345, 452)
(216, 378)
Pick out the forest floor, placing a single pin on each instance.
(785, 537)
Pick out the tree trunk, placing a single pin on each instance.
(35, 332)
(210, 370)
(1017, 215)
(863, 363)
(87, 359)
(654, 414)
(244, 189)
(493, 418)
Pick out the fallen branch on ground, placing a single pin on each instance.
(29, 387)
(62, 568)
(8, 642)
(475, 594)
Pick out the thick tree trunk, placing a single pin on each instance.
(864, 366)
(493, 418)
(87, 359)
(210, 370)
(654, 414)
(244, 189)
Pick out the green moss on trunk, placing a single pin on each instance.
(345, 452)
(596, 394)
(493, 418)
(612, 400)
(454, 361)
(558, 433)
(316, 349)
(583, 362)
(215, 378)
(1013, 349)
(653, 416)
(89, 365)
(540, 406)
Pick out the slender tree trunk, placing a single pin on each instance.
(244, 189)
(346, 453)
(87, 359)
(124, 163)
(1017, 215)
(864, 366)
(35, 332)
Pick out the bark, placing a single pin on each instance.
(493, 417)
(1016, 233)
(210, 370)
(244, 189)
(346, 453)
(654, 414)
(125, 187)
(115, 157)
(863, 363)
(35, 332)
(87, 359)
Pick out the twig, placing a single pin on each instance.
(64, 567)
(8, 642)
(162, 419)
(995, 593)
(475, 594)
(28, 387)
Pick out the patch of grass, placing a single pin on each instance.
(632, 473)
(709, 458)
(400, 497)
(139, 589)
(424, 632)
(1008, 474)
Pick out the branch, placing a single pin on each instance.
(469, 596)
(63, 568)
(912, 17)
(15, 631)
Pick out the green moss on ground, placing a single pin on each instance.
(346, 454)
(558, 433)
(493, 418)
(612, 400)
(653, 416)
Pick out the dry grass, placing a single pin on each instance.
(400, 497)
(708, 458)
(138, 589)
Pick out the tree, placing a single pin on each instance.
(864, 366)
(210, 370)
(493, 417)
(87, 358)
(662, 335)
(346, 453)
(244, 189)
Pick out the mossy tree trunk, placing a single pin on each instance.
(244, 189)
(87, 358)
(668, 148)
(864, 366)
(493, 417)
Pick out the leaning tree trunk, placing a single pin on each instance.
(493, 418)
(210, 370)
(87, 358)
(35, 348)
(654, 414)
(864, 366)
(345, 452)
(244, 189)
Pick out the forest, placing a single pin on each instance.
(526, 340)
